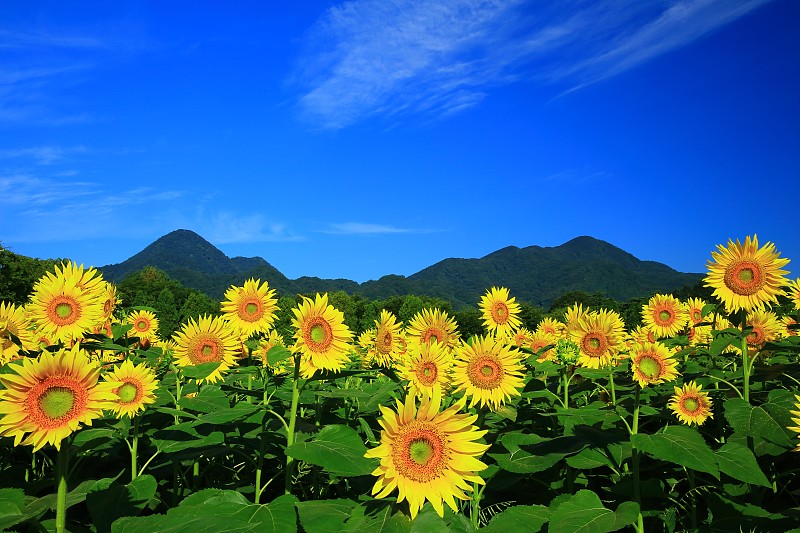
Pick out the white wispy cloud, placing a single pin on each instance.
(361, 228)
(44, 155)
(226, 228)
(367, 58)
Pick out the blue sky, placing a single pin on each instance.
(363, 138)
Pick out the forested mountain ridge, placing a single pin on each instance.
(533, 274)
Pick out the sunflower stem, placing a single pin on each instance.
(62, 469)
(292, 423)
(262, 446)
(693, 497)
(637, 489)
(134, 447)
(611, 382)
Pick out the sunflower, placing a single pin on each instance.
(204, 341)
(320, 333)
(49, 397)
(108, 299)
(427, 367)
(137, 386)
(553, 327)
(89, 281)
(384, 349)
(573, 316)
(652, 363)
(694, 308)
(427, 455)
(639, 335)
(793, 292)
(14, 322)
(664, 315)
(433, 325)
(796, 413)
(61, 308)
(488, 371)
(272, 339)
(788, 330)
(250, 308)
(145, 324)
(540, 340)
(745, 276)
(766, 328)
(600, 336)
(522, 337)
(499, 312)
(690, 404)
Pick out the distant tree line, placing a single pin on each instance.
(175, 303)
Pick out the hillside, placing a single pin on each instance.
(534, 274)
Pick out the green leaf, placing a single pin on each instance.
(203, 522)
(276, 354)
(201, 371)
(755, 422)
(189, 442)
(723, 339)
(210, 399)
(325, 516)
(229, 414)
(585, 513)
(94, 438)
(108, 501)
(12, 507)
(528, 518)
(680, 445)
(739, 462)
(336, 448)
(278, 516)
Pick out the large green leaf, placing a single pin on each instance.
(585, 513)
(336, 448)
(210, 399)
(325, 516)
(529, 518)
(108, 501)
(12, 507)
(189, 441)
(739, 462)
(229, 414)
(201, 371)
(680, 445)
(755, 421)
(530, 453)
(276, 354)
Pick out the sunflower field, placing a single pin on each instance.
(689, 422)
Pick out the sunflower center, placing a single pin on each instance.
(500, 313)
(64, 310)
(649, 367)
(744, 278)
(691, 404)
(319, 335)
(127, 392)
(665, 316)
(485, 372)
(427, 373)
(250, 310)
(57, 402)
(206, 348)
(756, 336)
(142, 325)
(420, 452)
(433, 335)
(594, 344)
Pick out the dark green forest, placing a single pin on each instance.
(174, 303)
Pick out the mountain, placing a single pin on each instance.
(533, 274)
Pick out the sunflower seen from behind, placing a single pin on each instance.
(250, 308)
(14, 322)
(427, 454)
(652, 364)
(49, 397)
(488, 371)
(206, 340)
(500, 312)
(321, 334)
(691, 404)
(136, 387)
(745, 276)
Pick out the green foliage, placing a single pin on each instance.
(19, 273)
